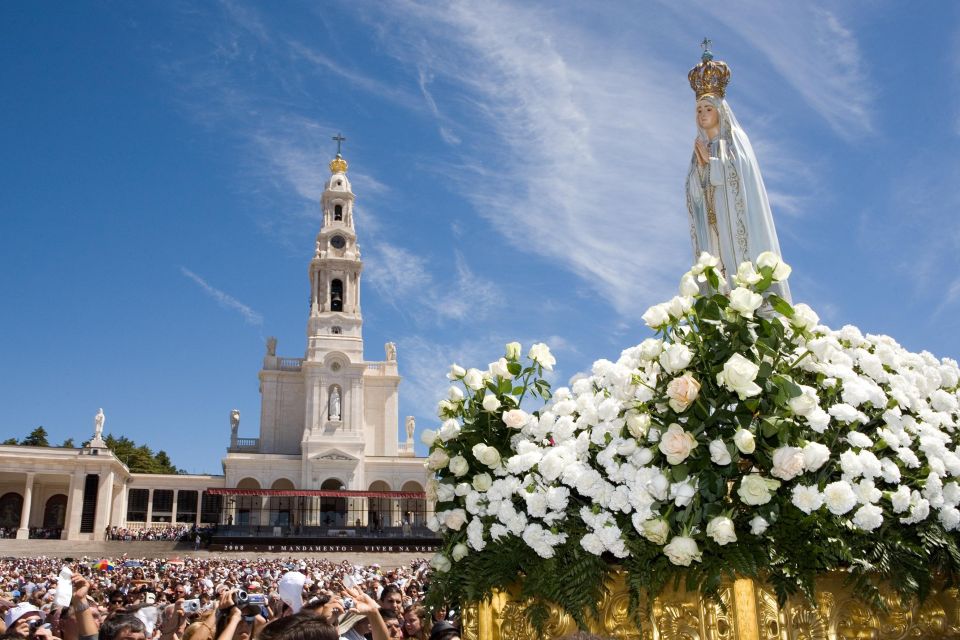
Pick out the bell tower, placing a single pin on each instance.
(336, 322)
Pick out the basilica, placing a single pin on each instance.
(328, 459)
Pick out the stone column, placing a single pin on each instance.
(149, 508)
(196, 521)
(173, 514)
(24, 531)
(71, 529)
(104, 505)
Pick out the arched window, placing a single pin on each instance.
(336, 330)
(336, 295)
(338, 212)
(11, 504)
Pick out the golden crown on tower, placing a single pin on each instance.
(338, 165)
(710, 77)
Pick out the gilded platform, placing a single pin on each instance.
(751, 613)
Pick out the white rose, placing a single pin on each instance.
(677, 444)
(679, 306)
(805, 403)
(490, 402)
(682, 550)
(738, 375)
(456, 372)
(515, 418)
(839, 497)
(719, 454)
(804, 318)
(818, 420)
(440, 563)
(459, 552)
(656, 316)
(449, 430)
(676, 357)
(540, 353)
(707, 260)
(651, 348)
(459, 466)
(745, 302)
(487, 455)
(513, 351)
(815, 455)
(656, 531)
(445, 492)
(758, 525)
(788, 463)
(473, 378)
(755, 490)
(682, 391)
(745, 441)
(499, 368)
(482, 482)
(949, 517)
(638, 423)
(807, 499)
(682, 492)
(688, 285)
(900, 499)
(747, 275)
(438, 460)
(768, 259)
(454, 519)
(722, 531)
(428, 437)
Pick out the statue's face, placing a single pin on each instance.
(707, 116)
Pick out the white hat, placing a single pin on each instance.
(17, 612)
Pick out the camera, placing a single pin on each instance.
(191, 606)
(242, 599)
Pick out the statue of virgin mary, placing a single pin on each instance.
(729, 212)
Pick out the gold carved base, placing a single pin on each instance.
(751, 613)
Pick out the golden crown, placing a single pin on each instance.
(338, 165)
(710, 77)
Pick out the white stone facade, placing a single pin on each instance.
(328, 421)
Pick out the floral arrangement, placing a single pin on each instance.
(743, 439)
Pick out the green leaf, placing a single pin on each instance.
(781, 305)
(514, 368)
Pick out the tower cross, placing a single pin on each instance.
(706, 44)
(339, 140)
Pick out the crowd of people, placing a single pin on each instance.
(217, 599)
(170, 532)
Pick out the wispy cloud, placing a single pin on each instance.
(225, 300)
(404, 280)
(445, 132)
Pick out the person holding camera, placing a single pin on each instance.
(26, 621)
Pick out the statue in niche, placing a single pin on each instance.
(391, 350)
(335, 404)
(98, 421)
(271, 346)
(234, 422)
(411, 425)
(730, 215)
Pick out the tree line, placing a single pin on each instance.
(139, 458)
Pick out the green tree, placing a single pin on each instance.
(10, 441)
(68, 444)
(37, 438)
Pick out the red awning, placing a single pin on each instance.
(310, 493)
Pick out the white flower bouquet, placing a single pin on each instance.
(744, 439)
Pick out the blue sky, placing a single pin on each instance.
(519, 174)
